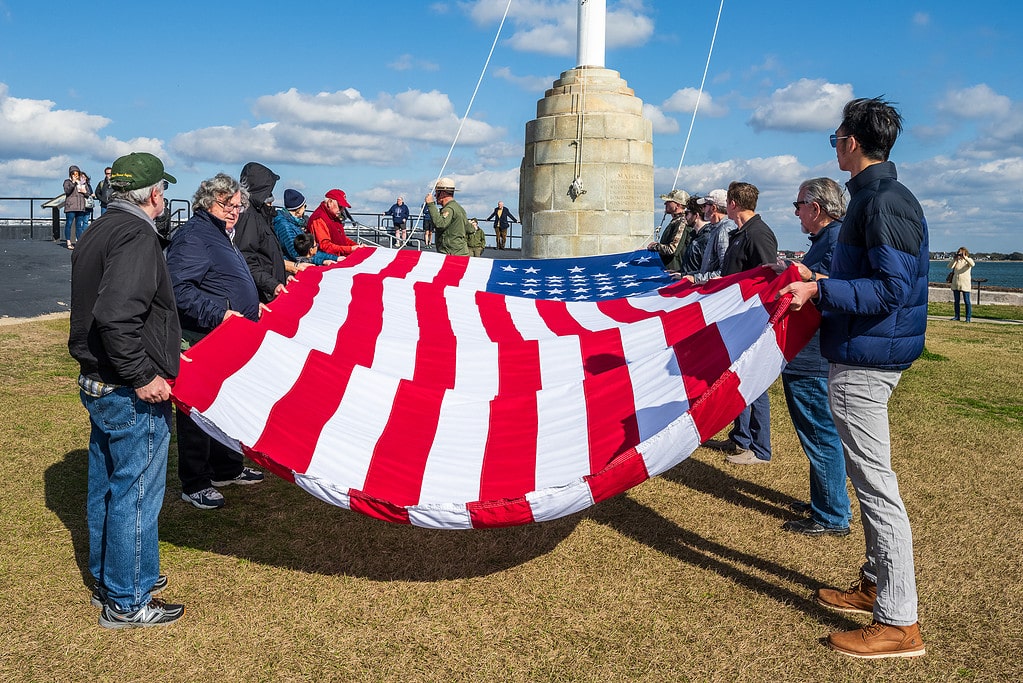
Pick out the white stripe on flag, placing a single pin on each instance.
(561, 434)
(243, 405)
(455, 462)
(552, 503)
(345, 447)
(759, 365)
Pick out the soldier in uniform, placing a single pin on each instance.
(449, 220)
(477, 238)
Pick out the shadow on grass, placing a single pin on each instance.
(278, 524)
(705, 478)
(642, 524)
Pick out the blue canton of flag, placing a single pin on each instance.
(585, 278)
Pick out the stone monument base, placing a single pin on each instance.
(589, 127)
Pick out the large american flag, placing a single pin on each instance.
(454, 392)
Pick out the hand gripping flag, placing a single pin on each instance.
(449, 392)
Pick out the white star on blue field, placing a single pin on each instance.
(592, 278)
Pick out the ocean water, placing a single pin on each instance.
(998, 273)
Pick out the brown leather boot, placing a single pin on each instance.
(877, 641)
(859, 599)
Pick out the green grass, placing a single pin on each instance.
(684, 578)
(982, 312)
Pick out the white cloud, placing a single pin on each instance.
(628, 27)
(34, 129)
(977, 102)
(337, 128)
(803, 106)
(549, 26)
(921, 19)
(662, 124)
(407, 62)
(534, 84)
(684, 100)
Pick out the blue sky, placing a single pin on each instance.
(367, 96)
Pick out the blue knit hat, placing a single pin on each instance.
(293, 199)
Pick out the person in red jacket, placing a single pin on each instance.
(328, 227)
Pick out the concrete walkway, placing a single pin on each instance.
(35, 279)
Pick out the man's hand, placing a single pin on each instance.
(156, 391)
(229, 313)
(429, 198)
(801, 293)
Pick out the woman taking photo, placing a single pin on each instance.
(960, 265)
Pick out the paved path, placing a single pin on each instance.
(35, 278)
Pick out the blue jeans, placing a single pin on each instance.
(807, 398)
(80, 219)
(859, 403)
(127, 479)
(966, 298)
(752, 429)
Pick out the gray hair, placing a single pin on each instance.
(137, 197)
(827, 194)
(216, 188)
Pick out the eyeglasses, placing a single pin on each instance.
(796, 205)
(835, 138)
(230, 208)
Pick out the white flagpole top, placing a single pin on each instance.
(592, 26)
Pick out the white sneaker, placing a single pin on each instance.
(207, 499)
(745, 458)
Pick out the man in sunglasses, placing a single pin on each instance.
(874, 315)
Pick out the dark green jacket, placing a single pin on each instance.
(452, 228)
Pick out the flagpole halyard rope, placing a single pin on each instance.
(699, 95)
(472, 99)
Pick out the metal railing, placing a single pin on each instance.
(370, 228)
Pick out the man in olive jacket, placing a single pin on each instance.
(449, 220)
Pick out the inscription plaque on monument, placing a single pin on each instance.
(627, 190)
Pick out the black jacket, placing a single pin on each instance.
(254, 233)
(752, 245)
(124, 324)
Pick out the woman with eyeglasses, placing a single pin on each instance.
(212, 284)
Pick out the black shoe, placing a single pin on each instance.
(726, 445)
(99, 593)
(808, 527)
(156, 613)
(247, 477)
(800, 508)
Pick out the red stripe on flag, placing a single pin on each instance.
(717, 407)
(267, 463)
(620, 310)
(355, 258)
(626, 471)
(509, 461)
(611, 423)
(491, 514)
(378, 509)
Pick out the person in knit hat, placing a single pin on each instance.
(289, 223)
